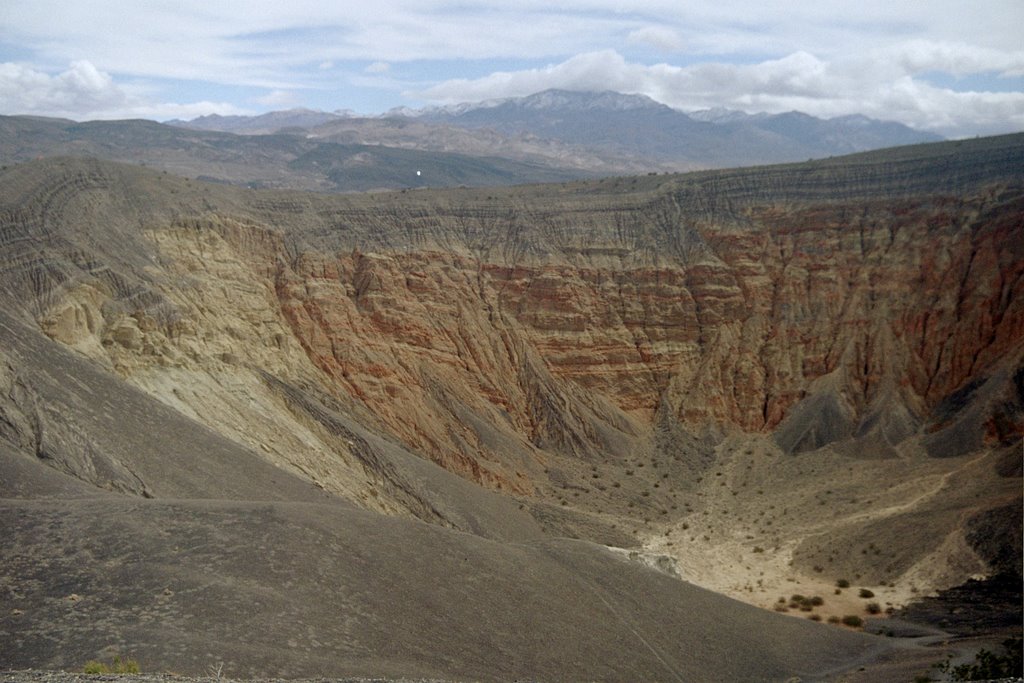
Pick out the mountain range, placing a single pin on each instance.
(552, 136)
(626, 133)
(724, 425)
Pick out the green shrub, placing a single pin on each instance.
(119, 666)
(94, 667)
(988, 665)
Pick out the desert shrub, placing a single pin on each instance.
(119, 666)
(843, 583)
(94, 667)
(853, 620)
(834, 619)
(817, 601)
(989, 665)
(865, 593)
(815, 617)
(873, 608)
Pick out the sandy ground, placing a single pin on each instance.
(736, 542)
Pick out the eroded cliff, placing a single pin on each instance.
(549, 342)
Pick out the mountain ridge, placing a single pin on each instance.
(623, 125)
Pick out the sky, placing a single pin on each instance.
(955, 67)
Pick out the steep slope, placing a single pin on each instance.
(761, 379)
(220, 558)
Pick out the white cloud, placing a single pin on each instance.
(604, 70)
(82, 88)
(84, 92)
(960, 59)
(827, 56)
(660, 37)
(278, 99)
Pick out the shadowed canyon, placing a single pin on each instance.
(599, 430)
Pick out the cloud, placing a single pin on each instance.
(660, 37)
(877, 85)
(278, 98)
(827, 56)
(960, 59)
(82, 88)
(84, 92)
(604, 70)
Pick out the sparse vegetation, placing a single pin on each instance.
(118, 666)
(853, 620)
(804, 603)
(988, 665)
(865, 593)
(843, 583)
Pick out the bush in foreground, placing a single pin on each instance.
(119, 666)
(988, 665)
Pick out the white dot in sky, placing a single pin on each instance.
(417, 173)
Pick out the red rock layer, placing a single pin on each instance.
(917, 295)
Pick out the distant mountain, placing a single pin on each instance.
(550, 136)
(604, 132)
(267, 161)
(601, 132)
(637, 125)
(271, 122)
